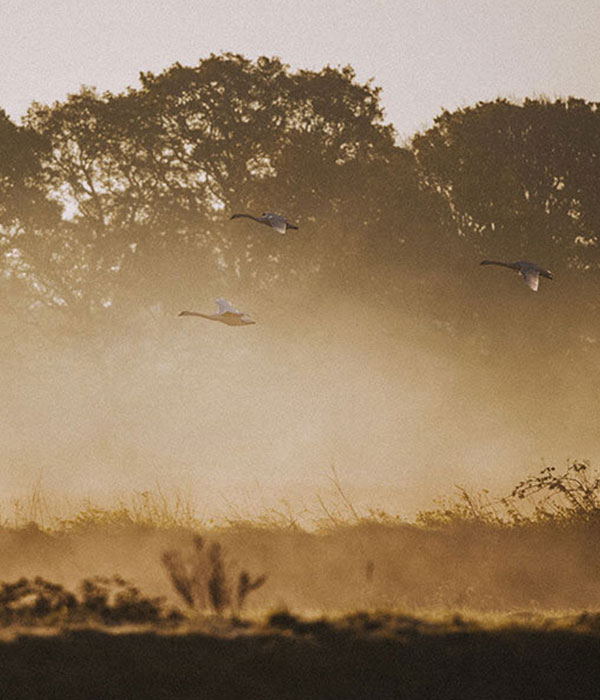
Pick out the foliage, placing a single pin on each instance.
(160, 168)
(519, 178)
(147, 179)
(110, 601)
(572, 494)
(567, 497)
(474, 553)
(204, 580)
(22, 198)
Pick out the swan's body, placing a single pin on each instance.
(226, 314)
(275, 221)
(530, 272)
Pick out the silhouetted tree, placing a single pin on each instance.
(25, 211)
(148, 180)
(520, 182)
(152, 175)
(520, 179)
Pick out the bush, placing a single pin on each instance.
(111, 601)
(203, 580)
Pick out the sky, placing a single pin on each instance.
(425, 54)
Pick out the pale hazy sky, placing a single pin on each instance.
(425, 54)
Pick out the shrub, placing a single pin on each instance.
(107, 600)
(202, 579)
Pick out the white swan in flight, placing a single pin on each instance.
(530, 272)
(275, 221)
(226, 314)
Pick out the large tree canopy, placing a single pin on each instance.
(520, 179)
(147, 181)
(157, 171)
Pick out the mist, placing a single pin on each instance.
(242, 419)
(382, 351)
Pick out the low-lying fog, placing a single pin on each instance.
(404, 405)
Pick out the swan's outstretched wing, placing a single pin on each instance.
(532, 278)
(226, 306)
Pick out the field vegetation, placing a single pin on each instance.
(478, 597)
(475, 553)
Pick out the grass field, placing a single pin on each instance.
(475, 599)
(475, 554)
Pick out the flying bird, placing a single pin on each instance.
(226, 314)
(530, 272)
(275, 221)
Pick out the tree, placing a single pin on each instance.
(25, 210)
(520, 179)
(152, 175)
(520, 182)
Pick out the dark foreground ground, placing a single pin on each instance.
(359, 657)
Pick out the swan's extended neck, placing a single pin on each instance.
(498, 262)
(247, 216)
(194, 313)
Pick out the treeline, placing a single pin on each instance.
(112, 201)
